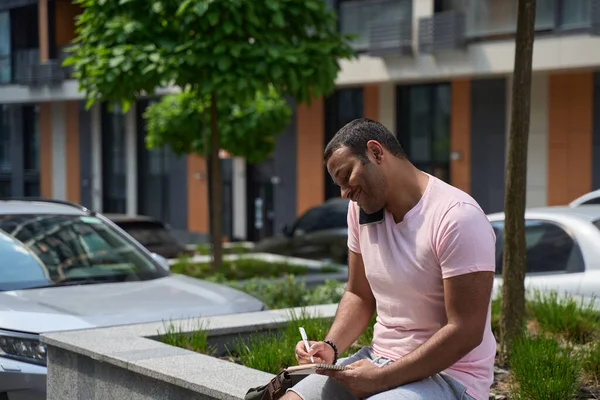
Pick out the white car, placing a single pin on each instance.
(588, 198)
(64, 267)
(563, 250)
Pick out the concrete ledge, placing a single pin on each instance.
(126, 361)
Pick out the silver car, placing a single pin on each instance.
(63, 267)
(563, 250)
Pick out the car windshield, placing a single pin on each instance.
(55, 250)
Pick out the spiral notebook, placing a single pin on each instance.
(307, 369)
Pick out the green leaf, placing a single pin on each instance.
(157, 7)
(213, 17)
(116, 61)
(224, 63)
(200, 8)
(154, 57)
(228, 27)
(278, 20)
(276, 71)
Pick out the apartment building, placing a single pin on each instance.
(438, 73)
(435, 72)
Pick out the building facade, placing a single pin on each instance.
(437, 73)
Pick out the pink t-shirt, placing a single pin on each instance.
(446, 234)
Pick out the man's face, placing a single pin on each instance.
(364, 184)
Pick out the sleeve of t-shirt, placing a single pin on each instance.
(353, 235)
(466, 241)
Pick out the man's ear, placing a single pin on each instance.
(375, 149)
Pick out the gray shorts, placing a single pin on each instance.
(438, 387)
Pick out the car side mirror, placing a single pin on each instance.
(162, 261)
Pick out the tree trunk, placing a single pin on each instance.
(514, 258)
(216, 204)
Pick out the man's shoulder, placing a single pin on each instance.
(451, 205)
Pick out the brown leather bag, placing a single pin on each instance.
(276, 387)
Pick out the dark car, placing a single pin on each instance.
(151, 233)
(320, 233)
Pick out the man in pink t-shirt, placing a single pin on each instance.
(422, 255)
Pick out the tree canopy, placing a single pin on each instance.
(236, 48)
(250, 129)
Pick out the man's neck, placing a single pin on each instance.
(408, 191)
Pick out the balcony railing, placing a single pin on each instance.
(477, 19)
(381, 26)
(485, 18)
(442, 31)
(25, 64)
(30, 71)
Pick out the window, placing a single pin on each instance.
(153, 172)
(5, 48)
(31, 150)
(549, 248)
(424, 126)
(5, 152)
(342, 107)
(575, 14)
(114, 172)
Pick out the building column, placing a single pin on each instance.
(197, 184)
(387, 106)
(43, 34)
(460, 135)
(371, 101)
(537, 148)
(59, 153)
(570, 108)
(73, 164)
(239, 198)
(131, 160)
(96, 133)
(310, 141)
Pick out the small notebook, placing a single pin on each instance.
(307, 369)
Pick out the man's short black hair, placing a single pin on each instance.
(355, 135)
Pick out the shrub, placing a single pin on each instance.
(543, 369)
(573, 320)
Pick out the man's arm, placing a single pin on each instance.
(356, 307)
(467, 300)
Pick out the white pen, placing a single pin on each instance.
(305, 338)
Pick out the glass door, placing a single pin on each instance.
(424, 127)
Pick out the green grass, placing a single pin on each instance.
(276, 350)
(288, 293)
(573, 320)
(591, 361)
(195, 339)
(543, 369)
(495, 317)
(241, 269)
